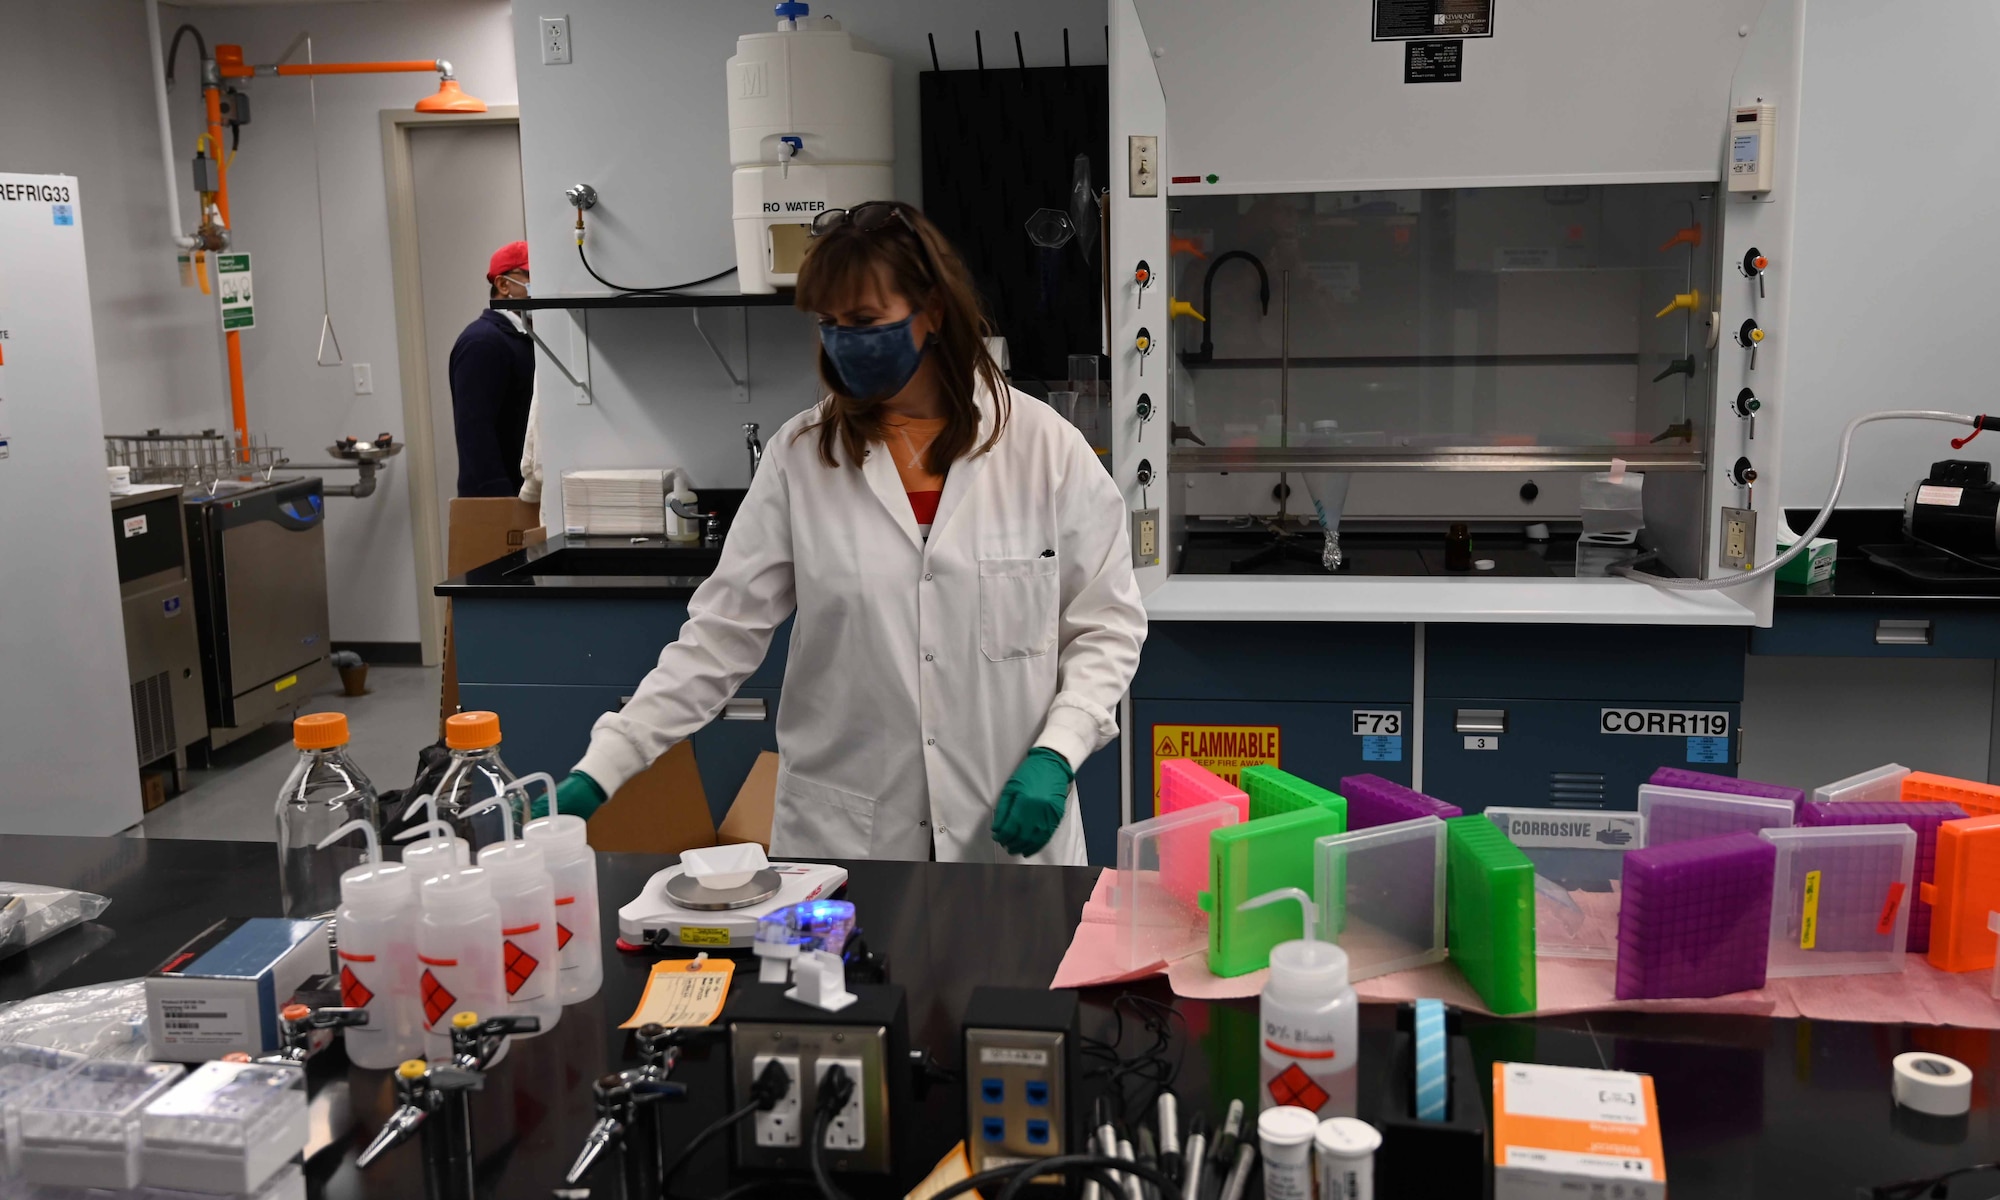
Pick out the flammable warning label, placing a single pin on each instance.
(1222, 749)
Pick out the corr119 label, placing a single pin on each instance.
(1664, 722)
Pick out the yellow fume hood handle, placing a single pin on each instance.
(1688, 300)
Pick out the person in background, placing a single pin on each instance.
(967, 616)
(493, 383)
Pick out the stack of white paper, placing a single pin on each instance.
(629, 503)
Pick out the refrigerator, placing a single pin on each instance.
(68, 758)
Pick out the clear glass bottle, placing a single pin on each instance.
(324, 791)
(476, 773)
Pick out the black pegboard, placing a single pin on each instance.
(997, 145)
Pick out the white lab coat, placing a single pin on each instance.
(919, 674)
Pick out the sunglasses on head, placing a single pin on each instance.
(874, 217)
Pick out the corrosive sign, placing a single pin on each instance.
(1222, 749)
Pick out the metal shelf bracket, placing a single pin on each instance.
(741, 383)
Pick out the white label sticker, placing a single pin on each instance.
(1568, 1162)
(205, 1021)
(134, 526)
(1482, 741)
(1377, 724)
(1524, 258)
(1948, 497)
(1661, 722)
(1569, 1094)
(1547, 829)
(1012, 1056)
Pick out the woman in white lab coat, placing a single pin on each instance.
(956, 557)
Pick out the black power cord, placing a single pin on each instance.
(766, 1090)
(1152, 1068)
(1936, 1187)
(836, 1088)
(644, 291)
(1018, 1177)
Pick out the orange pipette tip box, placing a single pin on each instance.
(1977, 799)
(1966, 889)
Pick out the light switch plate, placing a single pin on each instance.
(1146, 537)
(1143, 161)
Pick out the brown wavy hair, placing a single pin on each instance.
(924, 269)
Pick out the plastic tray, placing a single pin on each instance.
(1965, 894)
(1840, 899)
(22, 1069)
(1884, 783)
(1185, 783)
(1579, 859)
(1162, 872)
(82, 1128)
(288, 1184)
(1273, 791)
(1695, 918)
(1976, 798)
(1381, 895)
(1679, 814)
(1490, 901)
(1248, 860)
(227, 1127)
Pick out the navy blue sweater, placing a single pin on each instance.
(492, 381)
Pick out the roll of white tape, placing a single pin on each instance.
(1932, 1083)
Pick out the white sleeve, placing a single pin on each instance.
(730, 620)
(531, 457)
(1103, 621)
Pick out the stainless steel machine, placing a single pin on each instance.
(162, 649)
(258, 550)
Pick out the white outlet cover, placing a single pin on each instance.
(555, 41)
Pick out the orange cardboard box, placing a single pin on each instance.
(1568, 1131)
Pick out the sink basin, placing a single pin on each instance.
(619, 561)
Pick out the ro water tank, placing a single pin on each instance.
(810, 128)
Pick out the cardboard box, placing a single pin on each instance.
(749, 816)
(221, 993)
(480, 529)
(1566, 1131)
(1815, 565)
(662, 810)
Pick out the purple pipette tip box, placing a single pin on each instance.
(1702, 781)
(1923, 817)
(1373, 800)
(1695, 918)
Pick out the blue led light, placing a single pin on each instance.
(813, 925)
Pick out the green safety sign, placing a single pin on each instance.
(232, 278)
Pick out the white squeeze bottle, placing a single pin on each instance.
(458, 954)
(527, 899)
(565, 846)
(1311, 1039)
(435, 854)
(376, 947)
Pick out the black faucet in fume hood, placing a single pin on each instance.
(1207, 351)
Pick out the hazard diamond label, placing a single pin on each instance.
(520, 967)
(353, 992)
(563, 935)
(1293, 1086)
(438, 1000)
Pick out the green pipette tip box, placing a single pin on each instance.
(1490, 913)
(1248, 860)
(1272, 791)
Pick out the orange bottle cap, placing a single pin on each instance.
(320, 731)
(295, 1012)
(472, 730)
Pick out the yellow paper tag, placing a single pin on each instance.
(953, 1168)
(284, 683)
(683, 992)
(1809, 919)
(704, 935)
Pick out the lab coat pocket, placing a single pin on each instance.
(813, 818)
(1017, 607)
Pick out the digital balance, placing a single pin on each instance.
(713, 898)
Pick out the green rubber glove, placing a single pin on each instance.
(1032, 803)
(576, 796)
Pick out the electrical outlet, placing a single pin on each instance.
(780, 1126)
(1143, 161)
(1146, 537)
(849, 1128)
(555, 41)
(364, 380)
(1739, 537)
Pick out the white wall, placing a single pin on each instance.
(1894, 244)
(80, 102)
(641, 114)
(371, 571)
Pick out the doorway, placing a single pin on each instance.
(454, 182)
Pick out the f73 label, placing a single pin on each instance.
(1377, 724)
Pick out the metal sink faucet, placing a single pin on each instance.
(756, 446)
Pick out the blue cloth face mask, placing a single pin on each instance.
(874, 361)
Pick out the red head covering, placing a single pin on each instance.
(511, 257)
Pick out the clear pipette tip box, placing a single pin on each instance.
(24, 1068)
(1579, 861)
(82, 1128)
(227, 1127)
(1381, 895)
(1884, 783)
(1725, 785)
(1840, 899)
(1162, 872)
(1682, 814)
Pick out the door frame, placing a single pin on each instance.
(411, 349)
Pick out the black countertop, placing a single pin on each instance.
(572, 567)
(1750, 1107)
(1859, 582)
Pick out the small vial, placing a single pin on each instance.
(1344, 1148)
(1285, 1135)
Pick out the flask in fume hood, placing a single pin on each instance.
(324, 792)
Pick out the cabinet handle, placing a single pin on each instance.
(743, 710)
(1902, 633)
(1481, 720)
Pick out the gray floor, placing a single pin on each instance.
(234, 797)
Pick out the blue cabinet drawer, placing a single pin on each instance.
(1556, 753)
(1901, 632)
(1571, 662)
(546, 727)
(1316, 741)
(1252, 660)
(590, 642)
